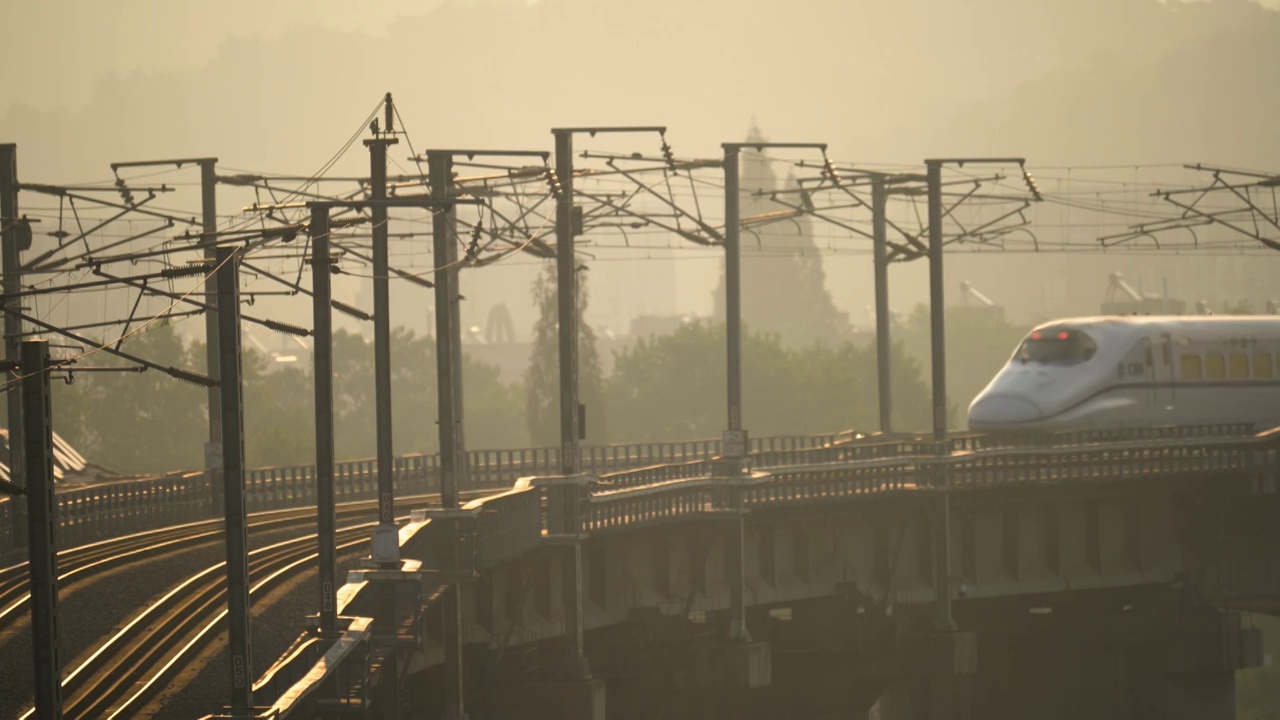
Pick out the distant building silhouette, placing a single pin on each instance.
(783, 284)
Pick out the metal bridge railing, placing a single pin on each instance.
(119, 507)
(632, 499)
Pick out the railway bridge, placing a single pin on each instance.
(1083, 575)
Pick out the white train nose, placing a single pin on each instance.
(996, 410)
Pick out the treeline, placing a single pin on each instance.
(674, 387)
(131, 423)
(661, 388)
(979, 341)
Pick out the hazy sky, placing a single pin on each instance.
(66, 47)
(880, 81)
(279, 85)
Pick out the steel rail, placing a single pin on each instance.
(82, 563)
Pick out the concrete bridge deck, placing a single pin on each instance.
(1099, 578)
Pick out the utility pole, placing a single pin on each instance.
(880, 250)
(386, 544)
(237, 537)
(567, 305)
(209, 226)
(453, 453)
(453, 457)
(937, 302)
(12, 265)
(571, 412)
(322, 378)
(944, 622)
(735, 443)
(43, 565)
(882, 186)
(386, 577)
(735, 446)
(448, 329)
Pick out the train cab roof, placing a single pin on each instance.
(1203, 326)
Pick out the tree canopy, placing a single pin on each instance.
(979, 343)
(542, 379)
(149, 422)
(673, 387)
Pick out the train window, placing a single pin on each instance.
(1059, 346)
(1262, 365)
(1214, 367)
(1238, 366)
(1190, 366)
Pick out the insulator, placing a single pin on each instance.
(286, 328)
(124, 192)
(186, 270)
(1031, 184)
(356, 313)
(668, 155)
(553, 183)
(830, 171)
(191, 377)
(473, 247)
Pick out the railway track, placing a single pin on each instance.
(142, 656)
(134, 663)
(82, 563)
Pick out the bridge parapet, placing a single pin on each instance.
(507, 524)
(102, 510)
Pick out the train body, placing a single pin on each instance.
(1123, 372)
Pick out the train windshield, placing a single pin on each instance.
(1058, 346)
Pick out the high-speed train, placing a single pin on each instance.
(1119, 372)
